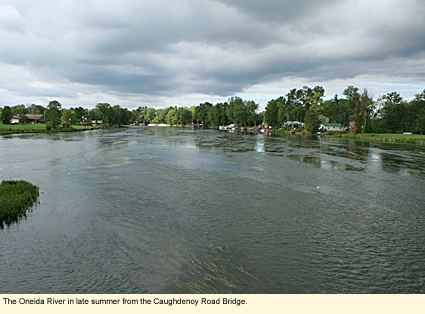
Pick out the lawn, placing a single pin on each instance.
(386, 137)
(37, 128)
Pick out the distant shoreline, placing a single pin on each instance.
(10, 129)
(390, 138)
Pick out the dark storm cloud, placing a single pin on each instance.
(212, 47)
(282, 11)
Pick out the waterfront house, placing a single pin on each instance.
(333, 127)
(25, 118)
(293, 124)
(34, 118)
(15, 120)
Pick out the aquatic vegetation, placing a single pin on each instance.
(16, 197)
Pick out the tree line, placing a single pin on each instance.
(389, 113)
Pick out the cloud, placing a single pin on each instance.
(188, 50)
(11, 20)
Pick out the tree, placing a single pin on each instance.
(202, 114)
(392, 112)
(19, 110)
(80, 115)
(337, 110)
(66, 117)
(312, 121)
(172, 117)
(184, 116)
(36, 109)
(281, 115)
(6, 115)
(251, 108)
(53, 114)
(221, 113)
(213, 116)
(271, 113)
(364, 112)
(417, 107)
(351, 93)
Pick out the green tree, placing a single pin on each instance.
(202, 114)
(184, 116)
(312, 121)
(53, 114)
(80, 115)
(337, 110)
(417, 107)
(221, 114)
(172, 117)
(106, 113)
(281, 114)
(66, 117)
(251, 111)
(271, 113)
(19, 110)
(213, 116)
(36, 109)
(392, 112)
(6, 115)
(363, 112)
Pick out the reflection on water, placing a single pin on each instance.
(177, 210)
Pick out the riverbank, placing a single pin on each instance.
(16, 197)
(7, 129)
(416, 139)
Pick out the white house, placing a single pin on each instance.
(14, 120)
(293, 123)
(331, 127)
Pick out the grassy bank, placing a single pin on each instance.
(382, 137)
(38, 128)
(416, 139)
(286, 131)
(16, 197)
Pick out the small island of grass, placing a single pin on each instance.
(16, 197)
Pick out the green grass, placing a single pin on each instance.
(416, 139)
(287, 131)
(16, 197)
(385, 137)
(38, 128)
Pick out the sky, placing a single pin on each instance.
(166, 52)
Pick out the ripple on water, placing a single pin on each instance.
(196, 211)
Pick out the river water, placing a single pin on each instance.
(164, 210)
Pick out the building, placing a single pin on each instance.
(293, 123)
(27, 118)
(332, 127)
(34, 118)
(15, 120)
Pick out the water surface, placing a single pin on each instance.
(158, 210)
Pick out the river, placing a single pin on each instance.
(167, 210)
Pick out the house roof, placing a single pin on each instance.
(334, 125)
(28, 116)
(34, 116)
